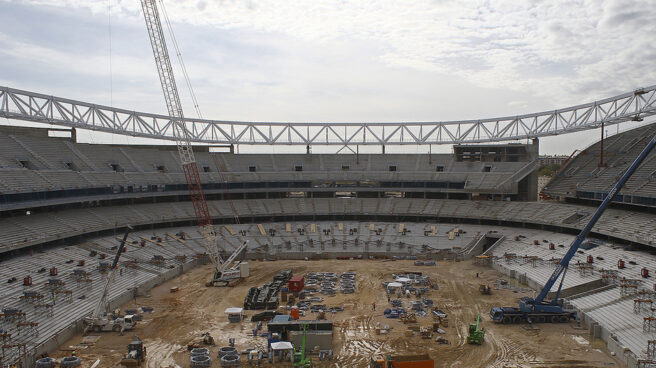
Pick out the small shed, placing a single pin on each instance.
(393, 286)
(235, 314)
(282, 345)
(283, 351)
(296, 284)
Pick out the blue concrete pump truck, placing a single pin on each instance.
(538, 310)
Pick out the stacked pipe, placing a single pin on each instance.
(200, 357)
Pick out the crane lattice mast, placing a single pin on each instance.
(174, 106)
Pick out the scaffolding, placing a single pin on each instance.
(31, 328)
(651, 348)
(55, 284)
(585, 269)
(65, 295)
(20, 354)
(640, 305)
(646, 363)
(609, 277)
(48, 309)
(629, 287)
(532, 260)
(31, 297)
(509, 257)
(13, 315)
(648, 324)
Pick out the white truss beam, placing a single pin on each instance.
(31, 106)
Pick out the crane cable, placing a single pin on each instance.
(179, 56)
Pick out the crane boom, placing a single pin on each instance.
(102, 304)
(537, 309)
(561, 269)
(185, 150)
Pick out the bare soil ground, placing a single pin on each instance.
(180, 319)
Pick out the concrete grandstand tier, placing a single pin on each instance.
(609, 311)
(36, 167)
(37, 228)
(153, 256)
(584, 178)
(55, 314)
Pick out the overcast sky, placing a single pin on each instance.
(339, 60)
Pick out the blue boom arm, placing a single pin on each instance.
(562, 266)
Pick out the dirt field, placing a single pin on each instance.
(180, 318)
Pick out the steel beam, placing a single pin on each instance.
(37, 107)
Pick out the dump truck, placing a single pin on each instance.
(402, 361)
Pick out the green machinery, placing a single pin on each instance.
(300, 360)
(476, 334)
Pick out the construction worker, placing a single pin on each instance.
(373, 305)
(74, 354)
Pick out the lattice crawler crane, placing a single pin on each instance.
(182, 136)
(100, 319)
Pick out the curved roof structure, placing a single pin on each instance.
(32, 106)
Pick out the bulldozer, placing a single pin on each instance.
(207, 339)
(485, 289)
(136, 354)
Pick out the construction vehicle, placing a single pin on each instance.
(300, 359)
(100, 319)
(476, 334)
(402, 361)
(409, 318)
(208, 339)
(538, 309)
(136, 354)
(485, 289)
(227, 274)
(180, 131)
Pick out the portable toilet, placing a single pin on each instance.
(294, 312)
(244, 271)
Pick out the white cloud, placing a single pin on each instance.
(380, 60)
(571, 49)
